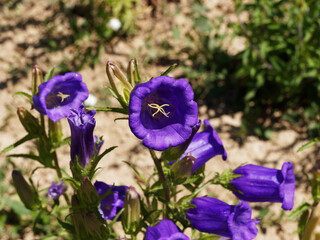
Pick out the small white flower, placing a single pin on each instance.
(115, 24)
(91, 101)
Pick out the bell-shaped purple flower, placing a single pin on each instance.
(60, 94)
(165, 230)
(55, 190)
(204, 146)
(82, 139)
(162, 112)
(214, 216)
(261, 184)
(112, 203)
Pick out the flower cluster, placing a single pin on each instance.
(163, 114)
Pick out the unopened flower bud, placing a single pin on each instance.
(37, 79)
(27, 195)
(28, 121)
(131, 73)
(77, 216)
(55, 131)
(316, 186)
(119, 83)
(94, 228)
(131, 215)
(182, 169)
(88, 194)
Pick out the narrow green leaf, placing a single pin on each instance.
(24, 94)
(136, 171)
(31, 156)
(19, 142)
(299, 210)
(109, 109)
(309, 144)
(61, 143)
(66, 225)
(166, 72)
(49, 74)
(136, 71)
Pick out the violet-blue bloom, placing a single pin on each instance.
(60, 94)
(55, 190)
(261, 184)
(165, 230)
(204, 146)
(112, 203)
(162, 112)
(82, 140)
(214, 216)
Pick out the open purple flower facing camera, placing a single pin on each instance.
(61, 93)
(111, 204)
(214, 216)
(261, 184)
(162, 112)
(165, 230)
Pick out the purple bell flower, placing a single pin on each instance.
(214, 216)
(165, 230)
(82, 139)
(162, 112)
(55, 190)
(112, 203)
(261, 184)
(60, 94)
(204, 146)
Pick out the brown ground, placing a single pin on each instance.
(21, 31)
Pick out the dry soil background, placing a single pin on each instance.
(21, 32)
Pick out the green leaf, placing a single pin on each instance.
(49, 74)
(136, 171)
(24, 94)
(309, 144)
(136, 72)
(299, 211)
(59, 144)
(16, 144)
(16, 206)
(31, 156)
(166, 72)
(66, 225)
(109, 109)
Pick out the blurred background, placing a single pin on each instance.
(254, 66)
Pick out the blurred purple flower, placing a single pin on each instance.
(261, 184)
(82, 140)
(214, 216)
(204, 146)
(162, 112)
(60, 94)
(165, 230)
(55, 190)
(112, 203)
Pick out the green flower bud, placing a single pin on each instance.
(316, 186)
(55, 131)
(77, 215)
(131, 73)
(119, 83)
(182, 169)
(94, 228)
(87, 193)
(28, 121)
(37, 79)
(131, 215)
(27, 195)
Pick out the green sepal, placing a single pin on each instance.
(49, 74)
(166, 72)
(19, 142)
(24, 94)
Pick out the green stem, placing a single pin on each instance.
(162, 178)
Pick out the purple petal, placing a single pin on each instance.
(165, 230)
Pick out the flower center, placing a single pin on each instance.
(62, 96)
(159, 109)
